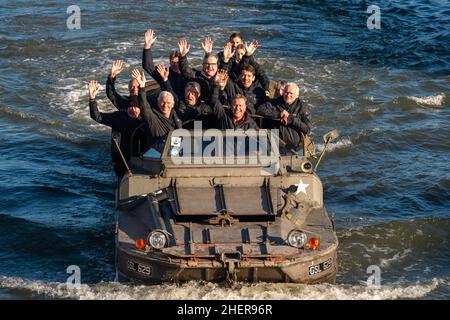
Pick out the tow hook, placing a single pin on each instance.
(231, 261)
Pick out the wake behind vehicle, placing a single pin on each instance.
(224, 206)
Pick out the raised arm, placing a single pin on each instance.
(248, 58)
(165, 83)
(231, 89)
(228, 53)
(93, 89)
(117, 100)
(97, 116)
(220, 81)
(186, 71)
(146, 111)
(216, 106)
(147, 57)
(207, 45)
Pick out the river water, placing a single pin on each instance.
(386, 179)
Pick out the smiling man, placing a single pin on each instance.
(205, 77)
(235, 117)
(248, 87)
(190, 107)
(246, 84)
(288, 114)
(160, 120)
(119, 101)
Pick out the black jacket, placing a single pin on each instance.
(176, 79)
(198, 76)
(119, 101)
(120, 121)
(224, 118)
(298, 121)
(235, 69)
(159, 126)
(255, 94)
(190, 114)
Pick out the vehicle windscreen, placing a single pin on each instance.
(222, 146)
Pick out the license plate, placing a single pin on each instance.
(139, 268)
(321, 267)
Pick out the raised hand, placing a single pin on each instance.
(93, 88)
(139, 76)
(163, 72)
(228, 52)
(251, 47)
(183, 47)
(207, 45)
(116, 68)
(149, 38)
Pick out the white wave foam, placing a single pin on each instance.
(66, 136)
(72, 98)
(211, 291)
(347, 107)
(343, 143)
(373, 110)
(27, 116)
(397, 257)
(435, 100)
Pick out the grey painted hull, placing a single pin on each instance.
(161, 271)
(228, 222)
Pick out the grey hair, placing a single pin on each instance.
(239, 96)
(210, 55)
(165, 94)
(293, 85)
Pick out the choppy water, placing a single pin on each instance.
(386, 179)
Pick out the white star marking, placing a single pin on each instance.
(301, 187)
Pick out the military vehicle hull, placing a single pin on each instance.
(243, 220)
(133, 266)
(235, 248)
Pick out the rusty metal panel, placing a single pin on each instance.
(249, 201)
(193, 201)
(237, 201)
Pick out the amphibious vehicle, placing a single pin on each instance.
(225, 206)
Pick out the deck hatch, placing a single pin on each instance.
(236, 201)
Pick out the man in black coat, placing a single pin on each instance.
(235, 117)
(119, 101)
(124, 122)
(289, 115)
(248, 87)
(235, 64)
(160, 120)
(204, 77)
(175, 77)
(189, 106)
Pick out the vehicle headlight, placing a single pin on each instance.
(157, 240)
(296, 239)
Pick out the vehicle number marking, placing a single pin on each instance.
(321, 267)
(139, 268)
